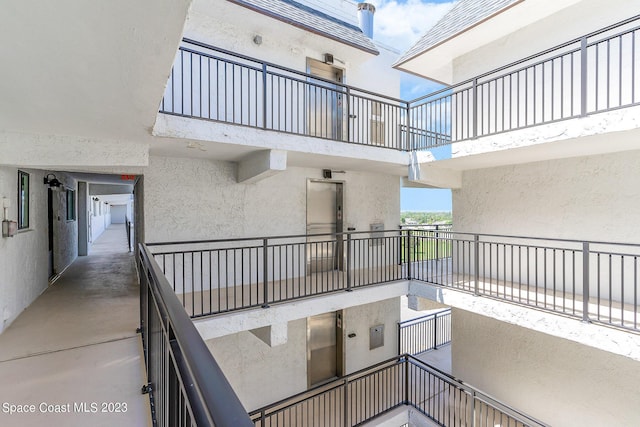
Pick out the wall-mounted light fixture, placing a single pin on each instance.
(54, 183)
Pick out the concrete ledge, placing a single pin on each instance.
(605, 338)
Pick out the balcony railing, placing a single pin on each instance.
(592, 281)
(424, 333)
(403, 381)
(591, 74)
(186, 385)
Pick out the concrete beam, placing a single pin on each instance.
(272, 335)
(260, 165)
(432, 177)
(246, 320)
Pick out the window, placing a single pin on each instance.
(23, 200)
(71, 205)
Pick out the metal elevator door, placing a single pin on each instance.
(324, 216)
(324, 347)
(325, 115)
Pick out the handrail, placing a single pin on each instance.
(529, 58)
(426, 316)
(404, 361)
(216, 398)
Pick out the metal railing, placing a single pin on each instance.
(186, 386)
(591, 74)
(217, 276)
(402, 381)
(128, 227)
(215, 84)
(593, 281)
(424, 333)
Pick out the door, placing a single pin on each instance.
(324, 216)
(324, 347)
(50, 230)
(325, 116)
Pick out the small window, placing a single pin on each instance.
(23, 200)
(71, 205)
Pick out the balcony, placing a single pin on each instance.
(590, 281)
(596, 73)
(178, 362)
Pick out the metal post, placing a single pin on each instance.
(475, 108)
(399, 339)
(435, 331)
(408, 254)
(585, 282)
(406, 380)
(408, 130)
(348, 102)
(264, 96)
(346, 403)
(262, 420)
(437, 247)
(349, 262)
(583, 76)
(265, 272)
(476, 262)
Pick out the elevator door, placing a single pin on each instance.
(325, 117)
(324, 216)
(324, 347)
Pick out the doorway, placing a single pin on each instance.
(325, 116)
(51, 271)
(325, 355)
(325, 215)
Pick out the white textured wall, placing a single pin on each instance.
(593, 198)
(358, 320)
(200, 199)
(23, 258)
(561, 382)
(260, 374)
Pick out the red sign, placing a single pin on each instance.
(128, 177)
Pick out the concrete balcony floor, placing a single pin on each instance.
(76, 346)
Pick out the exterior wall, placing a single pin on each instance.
(558, 381)
(358, 320)
(261, 375)
(593, 198)
(190, 199)
(118, 213)
(572, 22)
(23, 258)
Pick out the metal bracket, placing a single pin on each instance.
(138, 330)
(146, 389)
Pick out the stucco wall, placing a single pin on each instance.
(358, 320)
(561, 382)
(23, 258)
(593, 198)
(260, 374)
(200, 199)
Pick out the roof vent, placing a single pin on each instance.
(365, 18)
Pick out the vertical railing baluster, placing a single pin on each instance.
(349, 284)
(264, 96)
(476, 256)
(265, 272)
(585, 281)
(583, 76)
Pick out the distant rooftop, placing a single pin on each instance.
(307, 18)
(465, 14)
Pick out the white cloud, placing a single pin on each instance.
(401, 24)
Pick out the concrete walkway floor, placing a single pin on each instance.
(73, 358)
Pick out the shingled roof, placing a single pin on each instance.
(465, 14)
(309, 19)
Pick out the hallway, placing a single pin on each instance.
(76, 345)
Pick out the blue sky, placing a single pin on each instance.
(400, 24)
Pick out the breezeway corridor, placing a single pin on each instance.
(75, 349)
